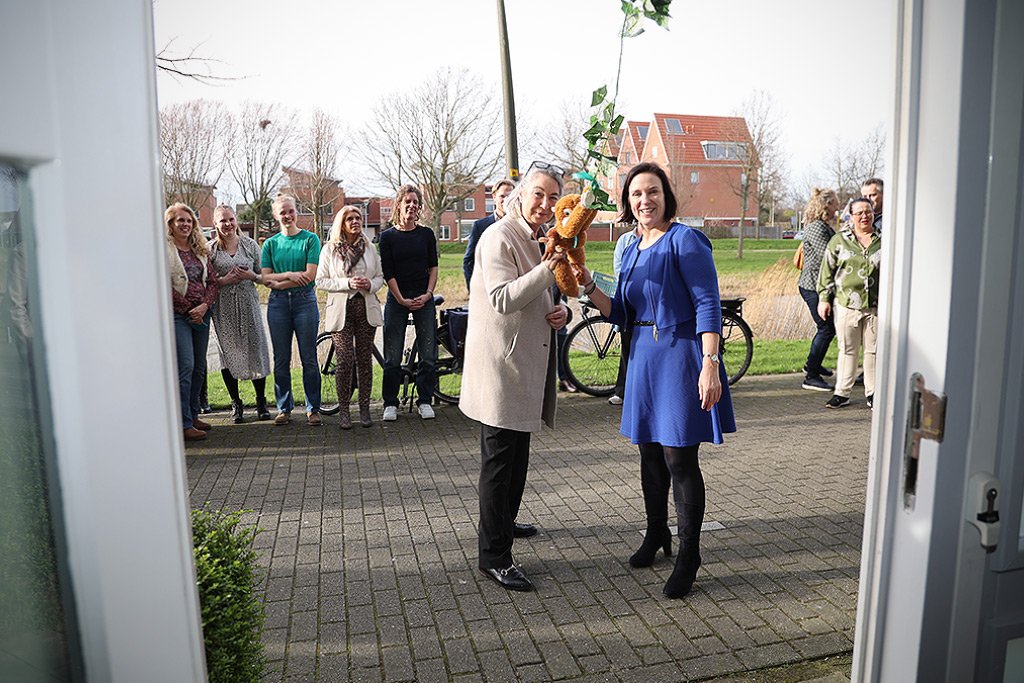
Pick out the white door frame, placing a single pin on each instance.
(953, 213)
(81, 118)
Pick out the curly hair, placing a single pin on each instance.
(196, 240)
(818, 205)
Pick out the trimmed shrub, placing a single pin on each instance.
(233, 616)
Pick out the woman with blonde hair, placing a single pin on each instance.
(241, 340)
(288, 263)
(351, 274)
(819, 217)
(193, 293)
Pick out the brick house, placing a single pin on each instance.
(372, 209)
(703, 157)
(303, 186)
(456, 223)
(204, 210)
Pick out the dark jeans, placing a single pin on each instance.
(396, 317)
(822, 338)
(190, 342)
(504, 460)
(294, 313)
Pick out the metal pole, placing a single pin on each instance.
(511, 144)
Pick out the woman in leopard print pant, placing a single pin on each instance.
(350, 272)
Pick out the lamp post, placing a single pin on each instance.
(511, 144)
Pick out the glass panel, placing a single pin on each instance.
(33, 638)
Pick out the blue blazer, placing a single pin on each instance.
(474, 238)
(686, 289)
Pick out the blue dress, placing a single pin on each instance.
(672, 283)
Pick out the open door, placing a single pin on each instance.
(942, 575)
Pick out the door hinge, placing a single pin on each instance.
(926, 419)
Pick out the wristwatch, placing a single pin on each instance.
(715, 358)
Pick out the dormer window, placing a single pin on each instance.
(722, 150)
(674, 126)
(642, 131)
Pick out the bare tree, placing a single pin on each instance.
(848, 165)
(193, 136)
(319, 149)
(443, 136)
(759, 158)
(261, 143)
(190, 65)
(562, 140)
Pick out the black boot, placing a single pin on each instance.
(654, 482)
(236, 412)
(261, 408)
(679, 585)
(654, 538)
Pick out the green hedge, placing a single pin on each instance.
(233, 616)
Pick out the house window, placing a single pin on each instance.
(694, 177)
(642, 130)
(489, 205)
(446, 232)
(465, 228)
(385, 212)
(723, 150)
(470, 204)
(674, 126)
(654, 151)
(627, 157)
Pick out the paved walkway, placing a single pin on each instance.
(370, 546)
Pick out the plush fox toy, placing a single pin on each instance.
(569, 234)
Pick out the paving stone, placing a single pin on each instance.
(369, 555)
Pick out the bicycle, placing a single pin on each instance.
(448, 369)
(591, 352)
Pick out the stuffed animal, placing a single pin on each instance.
(572, 219)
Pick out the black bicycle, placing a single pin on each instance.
(591, 351)
(450, 337)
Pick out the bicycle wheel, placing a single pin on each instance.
(590, 356)
(737, 346)
(328, 386)
(448, 370)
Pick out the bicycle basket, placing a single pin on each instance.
(455, 320)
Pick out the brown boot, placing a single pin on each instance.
(345, 418)
(201, 425)
(193, 434)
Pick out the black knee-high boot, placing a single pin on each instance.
(654, 482)
(689, 494)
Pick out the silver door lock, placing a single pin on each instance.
(982, 497)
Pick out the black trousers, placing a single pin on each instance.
(504, 460)
(620, 380)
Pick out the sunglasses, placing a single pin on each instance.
(544, 166)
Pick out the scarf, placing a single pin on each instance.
(350, 253)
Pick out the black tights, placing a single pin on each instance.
(661, 466)
(259, 384)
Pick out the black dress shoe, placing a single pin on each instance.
(511, 578)
(523, 530)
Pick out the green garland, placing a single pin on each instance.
(605, 122)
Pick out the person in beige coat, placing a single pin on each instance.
(508, 381)
(351, 274)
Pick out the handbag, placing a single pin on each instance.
(798, 257)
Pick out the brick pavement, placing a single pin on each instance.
(370, 546)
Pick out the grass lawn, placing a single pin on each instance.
(771, 357)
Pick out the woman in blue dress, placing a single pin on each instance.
(677, 392)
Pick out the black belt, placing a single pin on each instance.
(643, 323)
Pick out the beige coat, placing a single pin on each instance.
(332, 278)
(508, 380)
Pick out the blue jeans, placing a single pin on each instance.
(396, 317)
(294, 313)
(190, 343)
(822, 338)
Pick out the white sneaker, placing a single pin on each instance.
(390, 413)
(426, 412)
(615, 400)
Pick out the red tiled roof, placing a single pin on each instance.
(685, 147)
(634, 132)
